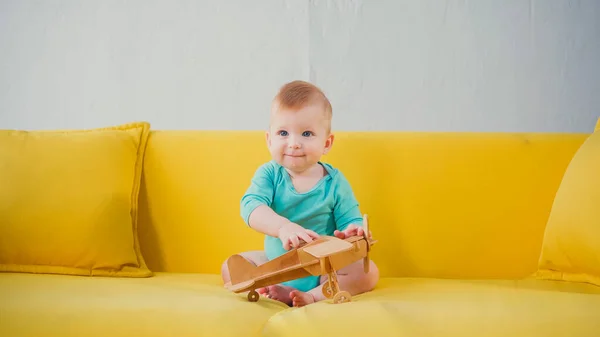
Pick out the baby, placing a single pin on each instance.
(295, 197)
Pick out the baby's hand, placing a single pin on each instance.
(291, 233)
(351, 230)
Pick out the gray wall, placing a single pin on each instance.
(486, 65)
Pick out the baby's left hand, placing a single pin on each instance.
(351, 230)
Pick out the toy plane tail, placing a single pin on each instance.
(240, 269)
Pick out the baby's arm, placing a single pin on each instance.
(265, 220)
(258, 214)
(348, 218)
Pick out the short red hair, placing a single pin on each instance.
(297, 94)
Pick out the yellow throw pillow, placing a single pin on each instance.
(571, 246)
(68, 201)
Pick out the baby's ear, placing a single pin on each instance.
(328, 143)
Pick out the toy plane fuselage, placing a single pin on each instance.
(320, 257)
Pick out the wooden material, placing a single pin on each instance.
(323, 256)
(324, 249)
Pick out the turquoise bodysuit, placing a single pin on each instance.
(328, 206)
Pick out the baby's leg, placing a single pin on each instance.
(257, 257)
(351, 279)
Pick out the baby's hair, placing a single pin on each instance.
(297, 94)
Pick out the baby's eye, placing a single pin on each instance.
(283, 133)
(307, 133)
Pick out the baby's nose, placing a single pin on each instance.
(294, 144)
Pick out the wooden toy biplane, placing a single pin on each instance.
(323, 256)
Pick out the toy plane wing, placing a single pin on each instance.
(331, 246)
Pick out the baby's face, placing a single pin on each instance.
(298, 138)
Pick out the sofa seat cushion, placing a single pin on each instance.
(165, 305)
(444, 308)
(198, 305)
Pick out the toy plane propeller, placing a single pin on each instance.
(323, 256)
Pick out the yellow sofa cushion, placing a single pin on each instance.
(164, 305)
(68, 201)
(417, 307)
(172, 304)
(571, 246)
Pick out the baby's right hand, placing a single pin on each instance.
(291, 233)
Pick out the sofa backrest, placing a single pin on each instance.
(449, 205)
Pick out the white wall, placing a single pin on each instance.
(510, 65)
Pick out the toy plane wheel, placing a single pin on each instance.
(253, 296)
(342, 297)
(327, 291)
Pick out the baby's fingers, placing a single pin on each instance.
(339, 234)
(306, 237)
(295, 241)
(286, 244)
(312, 234)
(350, 231)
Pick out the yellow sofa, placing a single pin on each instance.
(460, 219)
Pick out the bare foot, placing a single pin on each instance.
(277, 292)
(300, 298)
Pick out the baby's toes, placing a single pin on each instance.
(273, 291)
(296, 298)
